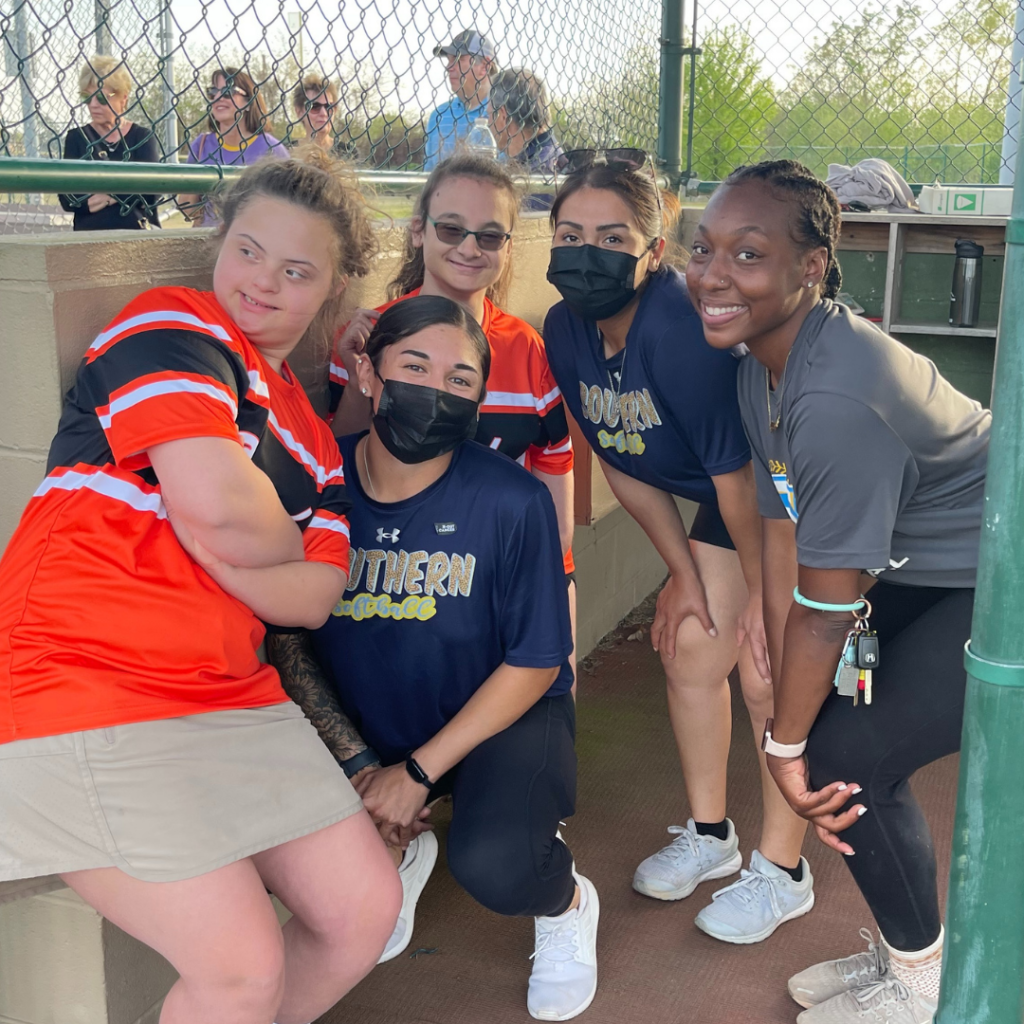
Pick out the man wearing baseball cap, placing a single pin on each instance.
(470, 61)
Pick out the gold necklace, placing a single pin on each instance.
(773, 424)
(366, 467)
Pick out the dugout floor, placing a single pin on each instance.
(655, 966)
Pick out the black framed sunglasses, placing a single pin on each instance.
(453, 234)
(312, 105)
(215, 94)
(87, 97)
(580, 159)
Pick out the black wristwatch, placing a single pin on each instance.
(416, 773)
(355, 764)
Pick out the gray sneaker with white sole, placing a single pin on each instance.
(884, 1002)
(677, 869)
(752, 908)
(831, 978)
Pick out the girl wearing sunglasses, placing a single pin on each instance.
(459, 245)
(235, 135)
(659, 407)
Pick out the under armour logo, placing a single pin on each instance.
(383, 535)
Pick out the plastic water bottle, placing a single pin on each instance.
(480, 141)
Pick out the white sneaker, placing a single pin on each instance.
(884, 1002)
(564, 978)
(831, 978)
(677, 869)
(752, 908)
(418, 862)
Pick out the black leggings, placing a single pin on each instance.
(915, 718)
(508, 796)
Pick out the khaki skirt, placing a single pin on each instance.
(167, 800)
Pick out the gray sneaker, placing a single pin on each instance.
(826, 980)
(752, 908)
(884, 1002)
(677, 869)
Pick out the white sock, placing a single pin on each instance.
(920, 970)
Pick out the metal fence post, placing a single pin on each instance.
(167, 109)
(1011, 116)
(101, 16)
(984, 952)
(670, 98)
(24, 43)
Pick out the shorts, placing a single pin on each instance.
(570, 577)
(169, 799)
(709, 528)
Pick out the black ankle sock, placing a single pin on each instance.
(718, 829)
(797, 873)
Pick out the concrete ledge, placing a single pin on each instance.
(61, 963)
(616, 568)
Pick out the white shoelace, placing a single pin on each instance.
(879, 993)
(748, 886)
(682, 846)
(558, 944)
(872, 962)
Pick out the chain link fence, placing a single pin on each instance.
(926, 86)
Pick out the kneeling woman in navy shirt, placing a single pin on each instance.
(448, 652)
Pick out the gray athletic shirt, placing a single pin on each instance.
(878, 459)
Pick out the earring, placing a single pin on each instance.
(810, 284)
(722, 281)
(365, 392)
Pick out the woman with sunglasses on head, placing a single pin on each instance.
(106, 89)
(235, 135)
(868, 462)
(192, 494)
(448, 653)
(459, 245)
(659, 408)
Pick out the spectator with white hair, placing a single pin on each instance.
(521, 122)
(106, 86)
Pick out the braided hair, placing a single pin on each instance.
(818, 220)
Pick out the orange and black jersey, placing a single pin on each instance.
(523, 415)
(104, 619)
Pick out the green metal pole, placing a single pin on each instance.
(983, 970)
(670, 99)
(693, 52)
(125, 177)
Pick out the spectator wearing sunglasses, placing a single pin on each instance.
(106, 87)
(521, 122)
(315, 101)
(470, 63)
(659, 407)
(235, 135)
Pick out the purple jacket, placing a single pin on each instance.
(207, 149)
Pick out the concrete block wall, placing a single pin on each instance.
(60, 962)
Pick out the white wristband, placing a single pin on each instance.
(770, 746)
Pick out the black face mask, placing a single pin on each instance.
(595, 283)
(417, 423)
